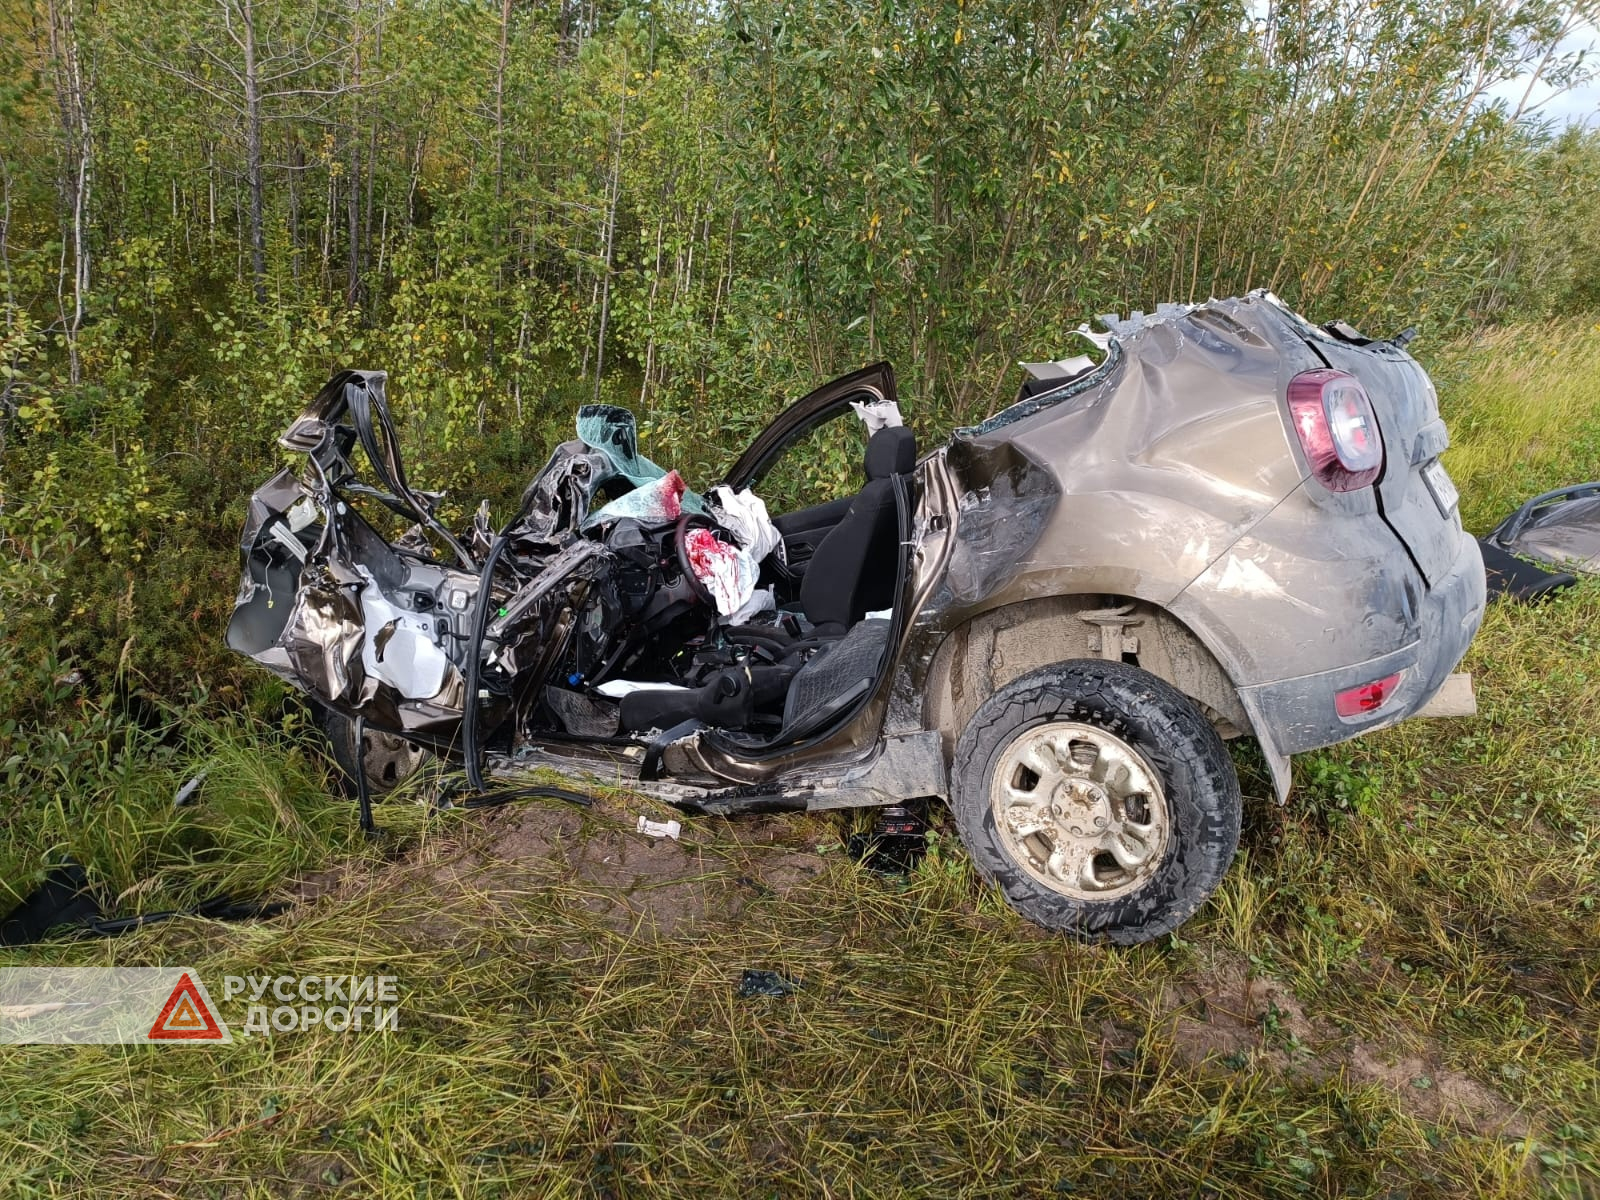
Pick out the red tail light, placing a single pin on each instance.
(1369, 697)
(1337, 429)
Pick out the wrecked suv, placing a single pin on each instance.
(1233, 523)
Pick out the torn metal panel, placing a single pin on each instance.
(908, 767)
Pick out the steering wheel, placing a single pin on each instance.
(680, 542)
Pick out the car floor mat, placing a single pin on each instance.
(838, 675)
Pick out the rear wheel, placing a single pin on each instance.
(387, 759)
(1099, 800)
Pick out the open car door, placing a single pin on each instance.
(870, 384)
(804, 526)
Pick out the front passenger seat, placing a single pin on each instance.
(854, 569)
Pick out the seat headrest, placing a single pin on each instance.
(891, 451)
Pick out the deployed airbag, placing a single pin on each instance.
(727, 572)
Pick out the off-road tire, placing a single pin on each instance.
(1200, 784)
(386, 765)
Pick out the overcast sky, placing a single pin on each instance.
(1581, 104)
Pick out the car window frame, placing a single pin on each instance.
(826, 403)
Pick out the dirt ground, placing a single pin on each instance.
(1225, 1016)
(1228, 1014)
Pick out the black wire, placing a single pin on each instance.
(363, 789)
(221, 909)
(509, 795)
(470, 749)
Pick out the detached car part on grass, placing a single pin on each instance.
(1235, 524)
(1534, 552)
(1560, 529)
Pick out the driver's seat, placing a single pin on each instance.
(854, 569)
(853, 572)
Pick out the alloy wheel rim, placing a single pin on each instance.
(388, 759)
(1080, 810)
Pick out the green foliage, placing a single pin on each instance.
(699, 211)
(94, 781)
(695, 211)
(1519, 402)
(955, 185)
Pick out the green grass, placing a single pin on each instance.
(99, 789)
(1523, 406)
(1394, 993)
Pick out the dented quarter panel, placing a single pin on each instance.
(1301, 593)
(1131, 485)
(1171, 476)
(1151, 475)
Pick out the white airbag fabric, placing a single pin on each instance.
(880, 414)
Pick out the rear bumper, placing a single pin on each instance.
(1298, 714)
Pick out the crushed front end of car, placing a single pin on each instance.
(401, 632)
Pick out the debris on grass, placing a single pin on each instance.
(186, 794)
(659, 829)
(896, 842)
(753, 983)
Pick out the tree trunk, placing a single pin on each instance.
(372, 158)
(500, 106)
(297, 162)
(5, 243)
(75, 177)
(650, 321)
(605, 265)
(252, 147)
(352, 292)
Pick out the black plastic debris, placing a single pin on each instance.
(896, 842)
(765, 983)
(456, 792)
(1515, 579)
(66, 901)
(1558, 530)
(64, 898)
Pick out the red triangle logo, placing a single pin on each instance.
(186, 1017)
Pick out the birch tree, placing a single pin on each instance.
(265, 65)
